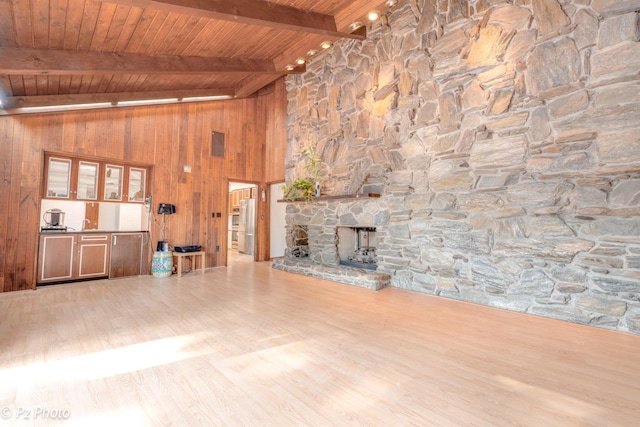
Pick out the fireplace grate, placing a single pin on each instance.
(357, 247)
(298, 242)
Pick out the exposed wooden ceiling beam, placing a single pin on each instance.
(254, 12)
(63, 62)
(251, 85)
(12, 103)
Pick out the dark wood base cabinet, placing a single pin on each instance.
(126, 254)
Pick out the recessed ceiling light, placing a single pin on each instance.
(300, 61)
(290, 67)
(355, 25)
(373, 15)
(391, 3)
(312, 52)
(325, 44)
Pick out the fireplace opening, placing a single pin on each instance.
(298, 241)
(357, 247)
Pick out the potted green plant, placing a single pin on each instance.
(306, 188)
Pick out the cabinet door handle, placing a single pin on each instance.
(115, 240)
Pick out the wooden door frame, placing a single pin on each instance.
(261, 234)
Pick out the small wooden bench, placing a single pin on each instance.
(181, 255)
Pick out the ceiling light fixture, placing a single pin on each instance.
(300, 61)
(312, 52)
(66, 107)
(355, 25)
(373, 15)
(146, 102)
(290, 67)
(126, 103)
(325, 44)
(206, 98)
(391, 3)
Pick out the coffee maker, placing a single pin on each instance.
(54, 220)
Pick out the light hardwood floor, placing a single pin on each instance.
(251, 346)
(234, 257)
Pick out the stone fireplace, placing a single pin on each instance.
(339, 247)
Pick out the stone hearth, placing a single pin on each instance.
(340, 273)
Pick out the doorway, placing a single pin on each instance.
(242, 223)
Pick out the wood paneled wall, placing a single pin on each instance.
(276, 134)
(167, 137)
(276, 150)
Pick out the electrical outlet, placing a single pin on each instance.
(218, 214)
(213, 214)
(217, 248)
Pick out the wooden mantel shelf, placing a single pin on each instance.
(343, 197)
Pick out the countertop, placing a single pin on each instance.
(47, 233)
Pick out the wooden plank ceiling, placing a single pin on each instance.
(70, 52)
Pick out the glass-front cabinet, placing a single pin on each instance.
(113, 178)
(85, 179)
(58, 178)
(71, 179)
(88, 173)
(137, 184)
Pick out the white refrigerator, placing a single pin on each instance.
(246, 228)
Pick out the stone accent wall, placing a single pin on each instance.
(504, 139)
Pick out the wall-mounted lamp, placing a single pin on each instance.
(166, 209)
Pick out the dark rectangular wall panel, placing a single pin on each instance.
(217, 144)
